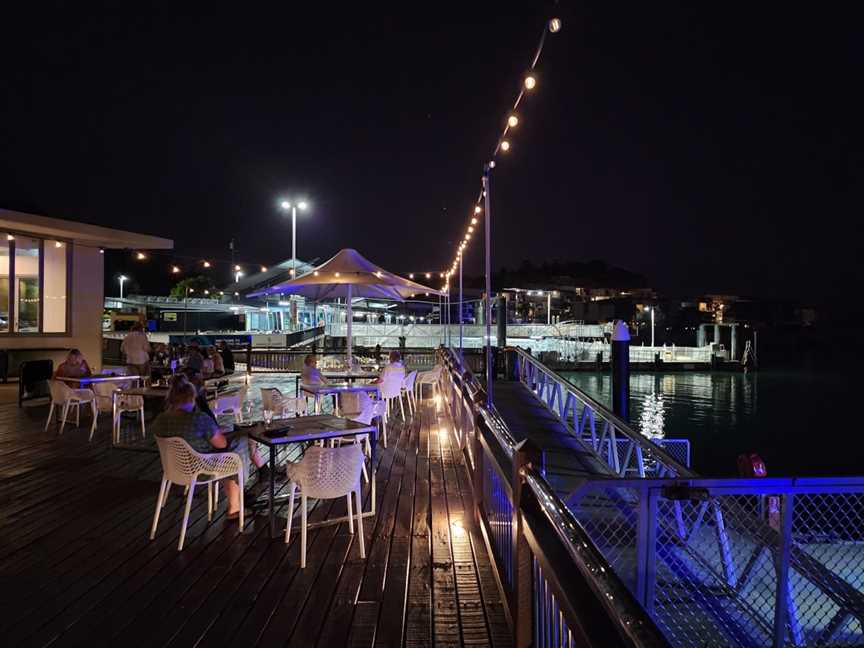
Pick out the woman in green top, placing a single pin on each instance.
(200, 431)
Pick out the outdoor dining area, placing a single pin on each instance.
(354, 510)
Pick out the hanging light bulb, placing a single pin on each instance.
(428, 275)
(473, 221)
(530, 82)
(505, 145)
(206, 264)
(175, 269)
(263, 268)
(140, 256)
(411, 276)
(555, 25)
(477, 209)
(236, 268)
(512, 121)
(470, 229)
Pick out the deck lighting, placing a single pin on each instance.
(315, 274)
(530, 82)
(336, 274)
(505, 145)
(512, 121)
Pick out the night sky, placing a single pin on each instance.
(715, 147)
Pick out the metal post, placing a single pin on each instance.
(461, 314)
(549, 308)
(652, 326)
(716, 335)
(733, 350)
(487, 190)
(621, 370)
(782, 556)
(294, 241)
(521, 604)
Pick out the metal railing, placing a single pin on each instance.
(624, 450)
(560, 589)
(744, 562)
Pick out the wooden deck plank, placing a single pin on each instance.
(74, 546)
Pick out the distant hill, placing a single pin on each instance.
(591, 274)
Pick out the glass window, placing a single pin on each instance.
(54, 287)
(4, 283)
(27, 285)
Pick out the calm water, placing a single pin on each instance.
(798, 421)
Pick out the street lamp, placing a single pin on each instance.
(122, 279)
(302, 206)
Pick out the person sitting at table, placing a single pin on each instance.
(179, 385)
(394, 366)
(207, 365)
(311, 375)
(194, 359)
(74, 366)
(201, 432)
(216, 359)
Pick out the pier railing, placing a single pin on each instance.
(625, 451)
(560, 589)
(719, 562)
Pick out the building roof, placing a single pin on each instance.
(81, 233)
(275, 274)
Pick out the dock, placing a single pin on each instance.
(78, 567)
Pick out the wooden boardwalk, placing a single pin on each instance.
(77, 567)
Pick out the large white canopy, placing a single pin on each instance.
(349, 275)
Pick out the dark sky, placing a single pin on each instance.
(715, 147)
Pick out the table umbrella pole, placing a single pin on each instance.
(349, 314)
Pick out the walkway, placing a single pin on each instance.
(77, 566)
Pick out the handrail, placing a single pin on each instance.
(624, 610)
(672, 465)
(626, 619)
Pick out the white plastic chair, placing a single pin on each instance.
(182, 465)
(231, 403)
(408, 391)
(272, 399)
(106, 402)
(326, 473)
(391, 390)
(431, 377)
(351, 404)
(63, 396)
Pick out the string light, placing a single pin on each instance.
(140, 256)
(175, 269)
(206, 264)
(9, 237)
(504, 145)
(428, 275)
(263, 268)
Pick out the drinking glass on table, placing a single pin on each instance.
(268, 416)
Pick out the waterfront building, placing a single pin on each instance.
(51, 273)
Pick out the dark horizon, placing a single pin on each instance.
(708, 151)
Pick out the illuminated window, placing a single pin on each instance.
(54, 287)
(26, 285)
(4, 285)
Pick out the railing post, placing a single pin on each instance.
(249, 357)
(646, 548)
(781, 560)
(522, 599)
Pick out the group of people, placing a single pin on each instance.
(142, 357)
(311, 375)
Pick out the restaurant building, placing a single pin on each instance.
(51, 285)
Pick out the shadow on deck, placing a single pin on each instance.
(77, 566)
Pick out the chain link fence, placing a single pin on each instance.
(759, 562)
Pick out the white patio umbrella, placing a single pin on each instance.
(349, 275)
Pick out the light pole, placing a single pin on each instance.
(487, 189)
(294, 206)
(461, 352)
(122, 279)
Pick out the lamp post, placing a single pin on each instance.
(294, 206)
(122, 279)
(461, 352)
(487, 171)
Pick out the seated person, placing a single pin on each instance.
(180, 419)
(194, 359)
(227, 357)
(311, 375)
(394, 366)
(74, 366)
(216, 359)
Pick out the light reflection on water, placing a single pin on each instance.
(779, 414)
